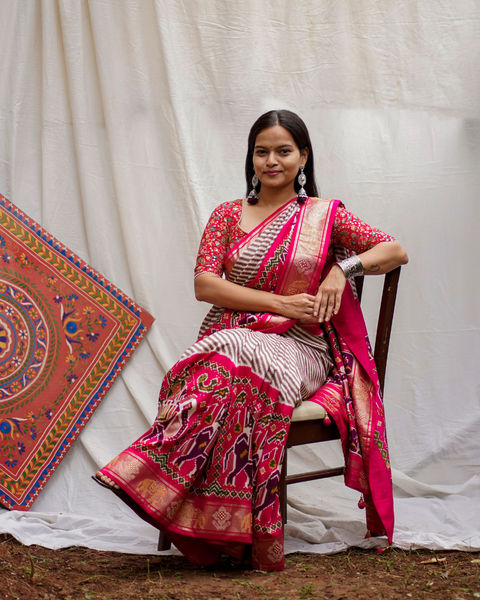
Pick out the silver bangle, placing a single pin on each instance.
(351, 266)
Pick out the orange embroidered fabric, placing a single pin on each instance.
(222, 232)
(66, 332)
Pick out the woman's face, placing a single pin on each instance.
(277, 159)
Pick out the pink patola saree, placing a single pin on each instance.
(208, 470)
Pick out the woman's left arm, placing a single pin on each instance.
(378, 252)
(382, 258)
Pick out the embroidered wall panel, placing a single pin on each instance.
(65, 334)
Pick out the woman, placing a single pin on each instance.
(285, 326)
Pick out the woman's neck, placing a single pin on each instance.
(273, 198)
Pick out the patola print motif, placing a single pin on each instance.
(65, 334)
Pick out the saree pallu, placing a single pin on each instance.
(207, 472)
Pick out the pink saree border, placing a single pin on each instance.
(308, 251)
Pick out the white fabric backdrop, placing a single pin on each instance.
(123, 123)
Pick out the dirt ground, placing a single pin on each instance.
(28, 573)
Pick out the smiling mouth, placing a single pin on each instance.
(272, 173)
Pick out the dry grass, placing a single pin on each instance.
(29, 573)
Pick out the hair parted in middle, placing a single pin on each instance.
(298, 130)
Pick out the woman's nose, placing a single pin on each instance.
(271, 158)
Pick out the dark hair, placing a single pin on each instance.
(294, 124)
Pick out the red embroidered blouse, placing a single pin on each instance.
(222, 232)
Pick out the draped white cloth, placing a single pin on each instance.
(123, 123)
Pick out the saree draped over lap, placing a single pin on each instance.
(208, 470)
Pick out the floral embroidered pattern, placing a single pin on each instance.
(221, 233)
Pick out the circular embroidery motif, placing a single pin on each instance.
(24, 339)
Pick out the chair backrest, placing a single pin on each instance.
(385, 318)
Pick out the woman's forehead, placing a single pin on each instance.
(275, 136)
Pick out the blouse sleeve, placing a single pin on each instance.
(214, 244)
(354, 234)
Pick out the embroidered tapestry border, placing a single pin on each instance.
(65, 334)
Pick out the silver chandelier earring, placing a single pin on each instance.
(302, 180)
(252, 196)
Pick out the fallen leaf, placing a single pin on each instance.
(475, 561)
(430, 583)
(445, 574)
(433, 560)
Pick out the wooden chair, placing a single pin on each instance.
(307, 425)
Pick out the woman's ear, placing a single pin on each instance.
(304, 156)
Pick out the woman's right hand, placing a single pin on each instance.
(298, 306)
(211, 288)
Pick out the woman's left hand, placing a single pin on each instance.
(329, 296)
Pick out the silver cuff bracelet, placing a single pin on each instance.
(351, 266)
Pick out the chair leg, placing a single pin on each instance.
(282, 489)
(163, 542)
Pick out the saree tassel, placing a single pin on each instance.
(361, 502)
(327, 420)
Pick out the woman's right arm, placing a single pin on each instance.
(211, 287)
(215, 290)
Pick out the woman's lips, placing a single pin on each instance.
(272, 173)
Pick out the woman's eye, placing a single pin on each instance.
(285, 151)
(259, 152)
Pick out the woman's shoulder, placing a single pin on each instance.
(229, 211)
(230, 206)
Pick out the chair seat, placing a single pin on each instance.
(308, 411)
